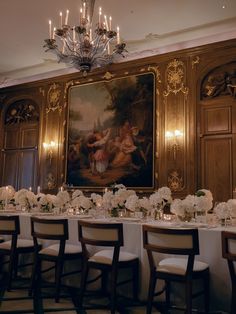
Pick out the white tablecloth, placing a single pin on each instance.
(210, 252)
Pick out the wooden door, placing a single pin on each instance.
(216, 136)
(20, 146)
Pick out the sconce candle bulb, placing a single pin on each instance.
(49, 147)
(172, 137)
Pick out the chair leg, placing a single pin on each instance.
(104, 281)
(188, 296)
(84, 276)
(206, 292)
(59, 270)
(167, 291)
(11, 271)
(135, 280)
(151, 291)
(113, 290)
(15, 265)
(35, 272)
(233, 299)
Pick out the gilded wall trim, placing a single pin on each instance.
(175, 77)
(195, 61)
(108, 76)
(175, 180)
(50, 181)
(53, 98)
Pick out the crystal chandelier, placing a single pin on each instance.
(82, 47)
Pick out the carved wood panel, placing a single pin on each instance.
(216, 119)
(27, 160)
(9, 168)
(217, 165)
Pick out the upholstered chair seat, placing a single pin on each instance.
(178, 266)
(106, 257)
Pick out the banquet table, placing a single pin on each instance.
(209, 243)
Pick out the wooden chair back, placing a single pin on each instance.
(101, 234)
(9, 225)
(171, 241)
(49, 229)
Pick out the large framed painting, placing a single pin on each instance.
(110, 136)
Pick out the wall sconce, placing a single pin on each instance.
(172, 137)
(49, 147)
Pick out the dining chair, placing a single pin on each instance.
(106, 239)
(57, 253)
(182, 245)
(229, 252)
(13, 247)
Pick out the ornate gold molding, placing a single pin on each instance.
(42, 91)
(195, 61)
(175, 181)
(175, 75)
(108, 76)
(157, 72)
(53, 98)
(50, 181)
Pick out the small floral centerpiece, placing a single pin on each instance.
(117, 199)
(203, 201)
(199, 203)
(26, 199)
(82, 203)
(232, 206)
(132, 203)
(6, 196)
(223, 212)
(62, 200)
(159, 199)
(185, 208)
(46, 202)
(145, 206)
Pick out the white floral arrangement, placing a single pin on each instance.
(97, 200)
(161, 197)
(47, 202)
(25, 198)
(132, 203)
(62, 200)
(232, 206)
(223, 210)
(7, 195)
(76, 193)
(83, 203)
(183, 208)
(200, 202)
(115, 199)
(145, 206)
(203, 200)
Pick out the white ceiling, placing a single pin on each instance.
(148, 27)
